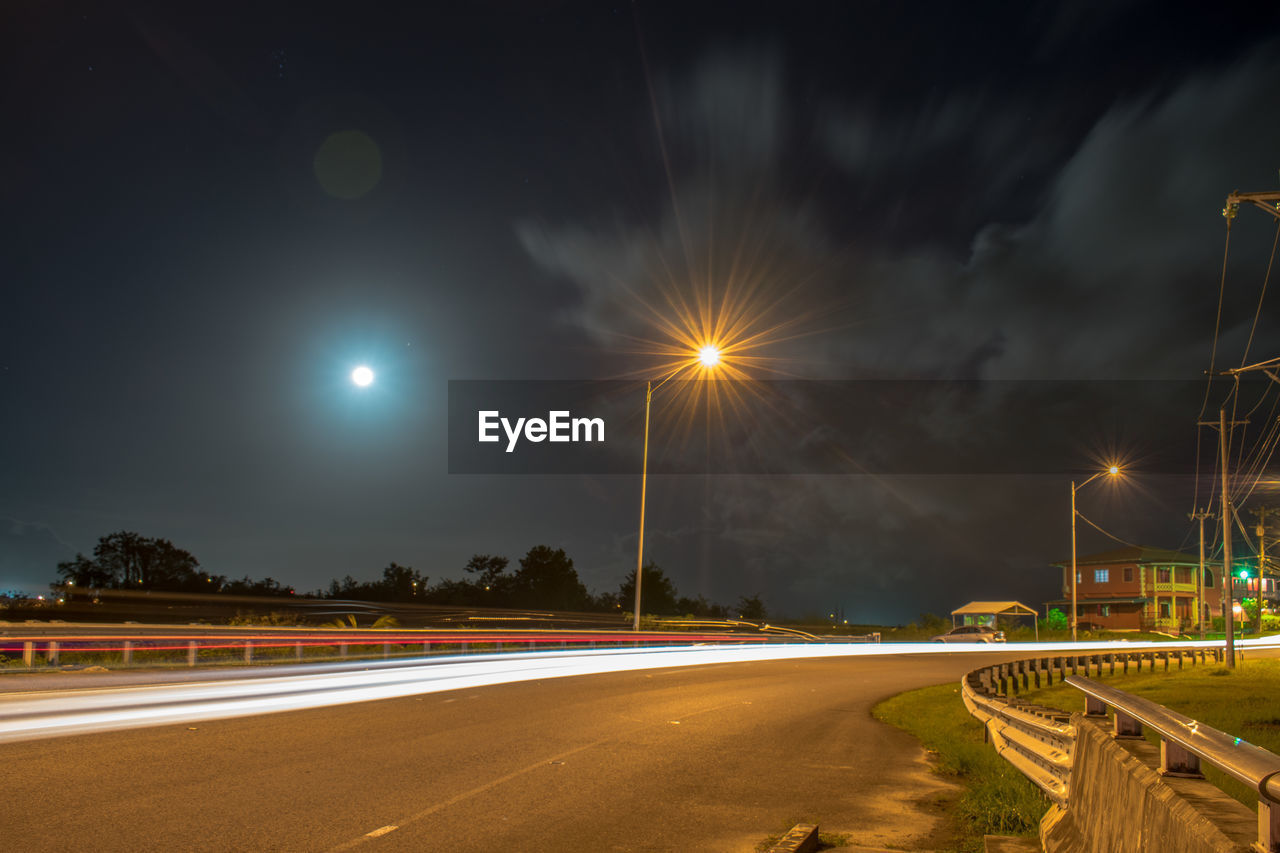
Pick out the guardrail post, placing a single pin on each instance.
(126, 652)
(1176, 761)
(28, 654)
(248, 651)
(1124, 664)
(297, 650)
(1111, 659)
(1094, 707)
(1268, 825)
(191, 653)
(52, 653)
(342, 650)
(386, 650)
(1125, 726)
(1165, 655)
(462, 647)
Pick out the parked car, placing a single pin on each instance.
(970, 634)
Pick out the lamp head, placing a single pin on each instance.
(709, 355)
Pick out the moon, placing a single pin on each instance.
(362, 376)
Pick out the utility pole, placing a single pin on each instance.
(1228, 583)
(1200, 516)
(1226, 543)
(1261, 512)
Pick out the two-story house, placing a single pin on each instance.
(1140, 589)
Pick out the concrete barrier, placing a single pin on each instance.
(1119, 802)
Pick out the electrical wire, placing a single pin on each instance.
(1105, 533)
(1213, 356)
(1261, 296)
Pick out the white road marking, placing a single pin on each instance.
(382, 830)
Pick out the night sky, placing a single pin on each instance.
(213, 213)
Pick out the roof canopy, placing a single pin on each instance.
(997, 608)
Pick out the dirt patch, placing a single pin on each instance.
(914, 816)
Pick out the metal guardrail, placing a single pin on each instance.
(285, 645)
(1185, 742)
(1040, 741)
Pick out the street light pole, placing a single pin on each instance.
(1113, 470)
(709, 356)
(644, 483)
(1074, 608)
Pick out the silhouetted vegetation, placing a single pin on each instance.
(545, 580)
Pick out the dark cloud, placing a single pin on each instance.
(1111, 276)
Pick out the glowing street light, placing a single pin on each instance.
(362, 376)
(1112, 471)
(709, 357)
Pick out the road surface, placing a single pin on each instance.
(713, 757)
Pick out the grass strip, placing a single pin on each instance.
(997, 799)
(1244, 702)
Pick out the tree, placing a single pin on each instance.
(657, 592)
(1056, 620)
(400, 583)
(751, 607)
(248, 586)
(488, 569)
(700, 607)
(126, 560)
(547, 580)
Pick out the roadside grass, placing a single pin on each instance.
(997, 799)
(1244, 702)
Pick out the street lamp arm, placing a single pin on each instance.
(667, 379)
(1076, 488)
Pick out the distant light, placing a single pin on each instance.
(709, 356)
(1114, 469)
(362, 376)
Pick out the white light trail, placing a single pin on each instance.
(27, 716)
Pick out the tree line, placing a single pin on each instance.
(545, 579)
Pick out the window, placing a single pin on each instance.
(1101, 575)
(1105, 608)
(1128, 574)
(1163, 576)
(1208, 578)
(1164, 609)
(1079, 577)
(1184, 574)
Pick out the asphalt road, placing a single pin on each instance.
(704, 758)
